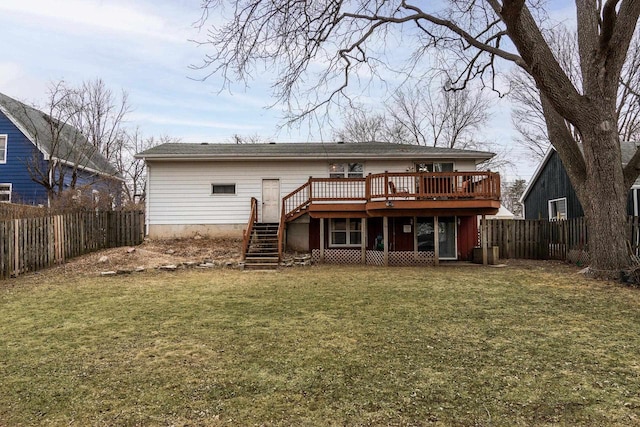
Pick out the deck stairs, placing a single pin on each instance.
(262, 253)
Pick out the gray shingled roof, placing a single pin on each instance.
(73, 146)
(304, 150)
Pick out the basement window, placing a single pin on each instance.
(345, 232)
(225, 189)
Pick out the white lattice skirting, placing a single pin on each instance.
(578, 256)
(354, 256)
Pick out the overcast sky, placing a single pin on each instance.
(143, 47)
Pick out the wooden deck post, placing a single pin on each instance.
(386, 186)
(484, 240)
(436, 241)
(414, 225)
(363, 243)
(385, 232)
(322, 240)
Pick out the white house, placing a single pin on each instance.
(353, 198)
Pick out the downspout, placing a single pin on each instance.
(147, 200)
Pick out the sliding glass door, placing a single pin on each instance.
(446, 236)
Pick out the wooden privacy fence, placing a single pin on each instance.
(539, 238)
(543, 239)
(30, 244)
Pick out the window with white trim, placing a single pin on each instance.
(558, 209)
(3, 148)
(223, 189)
(434, 167)
(345, 232)
(346, 170)
(5, 193)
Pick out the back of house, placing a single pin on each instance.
(354, 203)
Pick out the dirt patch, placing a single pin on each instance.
(152, 254)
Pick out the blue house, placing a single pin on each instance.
(41, 156)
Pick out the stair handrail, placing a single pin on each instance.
(296, 200)
(253, 218)
(281, 226)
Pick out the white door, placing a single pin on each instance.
(270, 200)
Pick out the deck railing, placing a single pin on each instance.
(391, 186)
(253, 218)
(434, 185)
(330, 189)
(298, 199)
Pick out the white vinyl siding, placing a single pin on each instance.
(180, 192)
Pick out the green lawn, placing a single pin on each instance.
(320, 346)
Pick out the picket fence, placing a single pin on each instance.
(565, 240)
(30, 244)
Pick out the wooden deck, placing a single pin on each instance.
(396, 194)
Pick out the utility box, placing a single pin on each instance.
(492, 255)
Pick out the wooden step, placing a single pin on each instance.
(267, 256)
(260, 266)
(262, 253)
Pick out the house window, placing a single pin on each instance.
(3, 148)
(345, 232)
(346, 170)
(223, 189)
(558, 209)
(5, 193)
(434, 167)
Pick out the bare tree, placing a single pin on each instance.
(134, 170)
(236, 138)
(360, 126)
(423, 116)
(67, 149)
(511, 193)
(78, 129)
(347, 40)
(100, 116)
(441, 118)
(528, 114)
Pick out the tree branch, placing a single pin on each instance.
(565, 144)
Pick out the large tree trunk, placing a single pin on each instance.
(603, 195)
(596, 172)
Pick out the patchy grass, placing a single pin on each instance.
(320, 346)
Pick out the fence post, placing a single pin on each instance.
(484, 240)
(16, 248)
